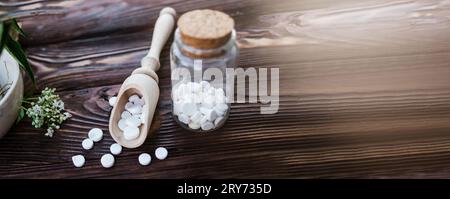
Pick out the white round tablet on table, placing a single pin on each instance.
(112, 101)
(95, 134)
(144, 159)
(107, 160)
(78, 160)
(115, 149)
(131, 132)
(161, 153)
(87, 144)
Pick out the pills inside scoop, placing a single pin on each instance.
(131, 132)
(199, 105)
(132, 117)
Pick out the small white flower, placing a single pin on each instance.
(48, 111)
(58, 104)
(67, 115)
(50, 132)
(37, 110)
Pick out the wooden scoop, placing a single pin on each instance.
(143, 82)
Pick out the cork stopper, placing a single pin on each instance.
(205, 29)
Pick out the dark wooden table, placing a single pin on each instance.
(364, 90)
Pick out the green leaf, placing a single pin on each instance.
(21, 115)
(2, 28)
(16, 51)
(16, 27)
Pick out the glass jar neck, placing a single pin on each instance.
(193, 52)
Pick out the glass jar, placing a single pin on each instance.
(199, 100)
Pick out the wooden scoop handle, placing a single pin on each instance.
(163, 29)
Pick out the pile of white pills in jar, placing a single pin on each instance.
(199, 105)
(132, 117)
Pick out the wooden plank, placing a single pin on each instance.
(364, 91)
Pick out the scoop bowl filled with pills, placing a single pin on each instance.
(131, 122)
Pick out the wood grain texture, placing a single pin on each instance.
(364, 90)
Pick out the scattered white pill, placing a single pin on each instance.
(115, 149)
(78, 160)
(161, 153)
(144, 159)
(122, 124)
(131, 133)
(87, 144)
(125, 115)
(95, 134)
(107, 160)
(112, 101)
